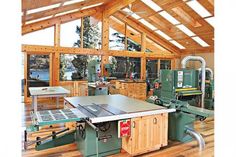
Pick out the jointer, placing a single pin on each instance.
(96, 117)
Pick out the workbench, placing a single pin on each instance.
(52, 91)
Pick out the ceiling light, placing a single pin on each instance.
(152, 5)
(185, 30)
(169, 17)
(200, 41)
(147, 24)
(163, 35)
(177, 44)
(197, 7)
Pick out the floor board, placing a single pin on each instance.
(174, 149)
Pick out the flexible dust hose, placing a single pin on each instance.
(203, 67)
(211, 72)
(197, 136)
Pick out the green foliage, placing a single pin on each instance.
(63, 67)
(91, 39)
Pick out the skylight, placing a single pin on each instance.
(43, 8)
(200, 41)
(40, 19)
(197, 7)
(72, 2)
(211, 21)
(163, 35)
(147, 24)
(177, 44)
(133, 14)
(152, 5)
(169, 17)
(67, 12)
(185, 30)
(90, 6)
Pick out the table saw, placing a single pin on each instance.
(97, 117)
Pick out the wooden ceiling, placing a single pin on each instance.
(41, 14)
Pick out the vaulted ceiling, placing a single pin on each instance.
(180, 26)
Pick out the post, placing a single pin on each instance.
(56, 56)
(105, 43)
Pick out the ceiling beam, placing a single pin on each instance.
(115, 5)
(34, 4)
(61, 9)
(208, 5)
(59, 19)
(85, 51)
(201, 50)
(141, 28)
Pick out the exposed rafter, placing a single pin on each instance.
(115, 5)
(59, 19)
(33, 4)
(62, 9)
(138, 26)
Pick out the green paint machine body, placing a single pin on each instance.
(180, 90)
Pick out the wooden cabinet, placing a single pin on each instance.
(147, 134)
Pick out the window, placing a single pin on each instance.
(79, 67)
(124, 67)
(197, 7)
(38, 37)
(177, 44)
(151, 70)
(165, 64)
(200, 41)
(69, 36)
(163, 35)
(170, 18)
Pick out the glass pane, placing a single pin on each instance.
(79, 67)
(92, 37)
(151, 70)
(116, 40)
(126, 67)
(70, 34)
(165, 64)
(38, 71)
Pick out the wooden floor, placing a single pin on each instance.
(174, 149)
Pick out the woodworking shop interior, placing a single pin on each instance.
(117, 78)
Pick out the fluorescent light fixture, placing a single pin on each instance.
(211, 21)
(67, 12)
(133, 14)
(90, 6)
(152, 5)
(72, 2)
(185, 30)
(149, 25)
(163, 35)
(169, 17)
(43, 8)
(200, 41)
(177, 44)
(197, 7)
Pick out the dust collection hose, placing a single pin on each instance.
(197, 136)
(203, 70)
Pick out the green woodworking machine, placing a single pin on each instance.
(97, 117)
(180, 90)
